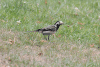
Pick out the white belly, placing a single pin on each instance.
(48, 32)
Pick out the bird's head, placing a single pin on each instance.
(59, 23)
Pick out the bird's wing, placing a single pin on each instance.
(50, 28)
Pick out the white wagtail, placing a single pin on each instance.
(49, 30)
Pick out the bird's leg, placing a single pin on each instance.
(45, 37)
(48, 37)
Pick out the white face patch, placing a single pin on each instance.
(61, 22)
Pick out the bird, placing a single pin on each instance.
(49, 30)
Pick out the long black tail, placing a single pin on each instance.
(38, 30)
(35, 30)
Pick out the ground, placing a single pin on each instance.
(75, 44)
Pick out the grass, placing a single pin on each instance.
(76, 43)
